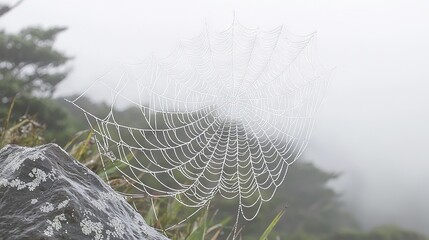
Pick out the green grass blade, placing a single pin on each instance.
(272, 225)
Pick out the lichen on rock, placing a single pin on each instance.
(46, 194)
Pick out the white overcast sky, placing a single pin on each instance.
(373, 124)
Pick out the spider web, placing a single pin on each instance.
(225, 115)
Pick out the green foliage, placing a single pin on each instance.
(30, 70)
(26, 132)
(29, 64)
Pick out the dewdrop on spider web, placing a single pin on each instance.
(224, 115)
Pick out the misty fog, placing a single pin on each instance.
(372, 126)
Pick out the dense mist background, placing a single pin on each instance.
(372, 126)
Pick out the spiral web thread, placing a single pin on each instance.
(225, 115)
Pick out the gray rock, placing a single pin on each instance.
(46, 194)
